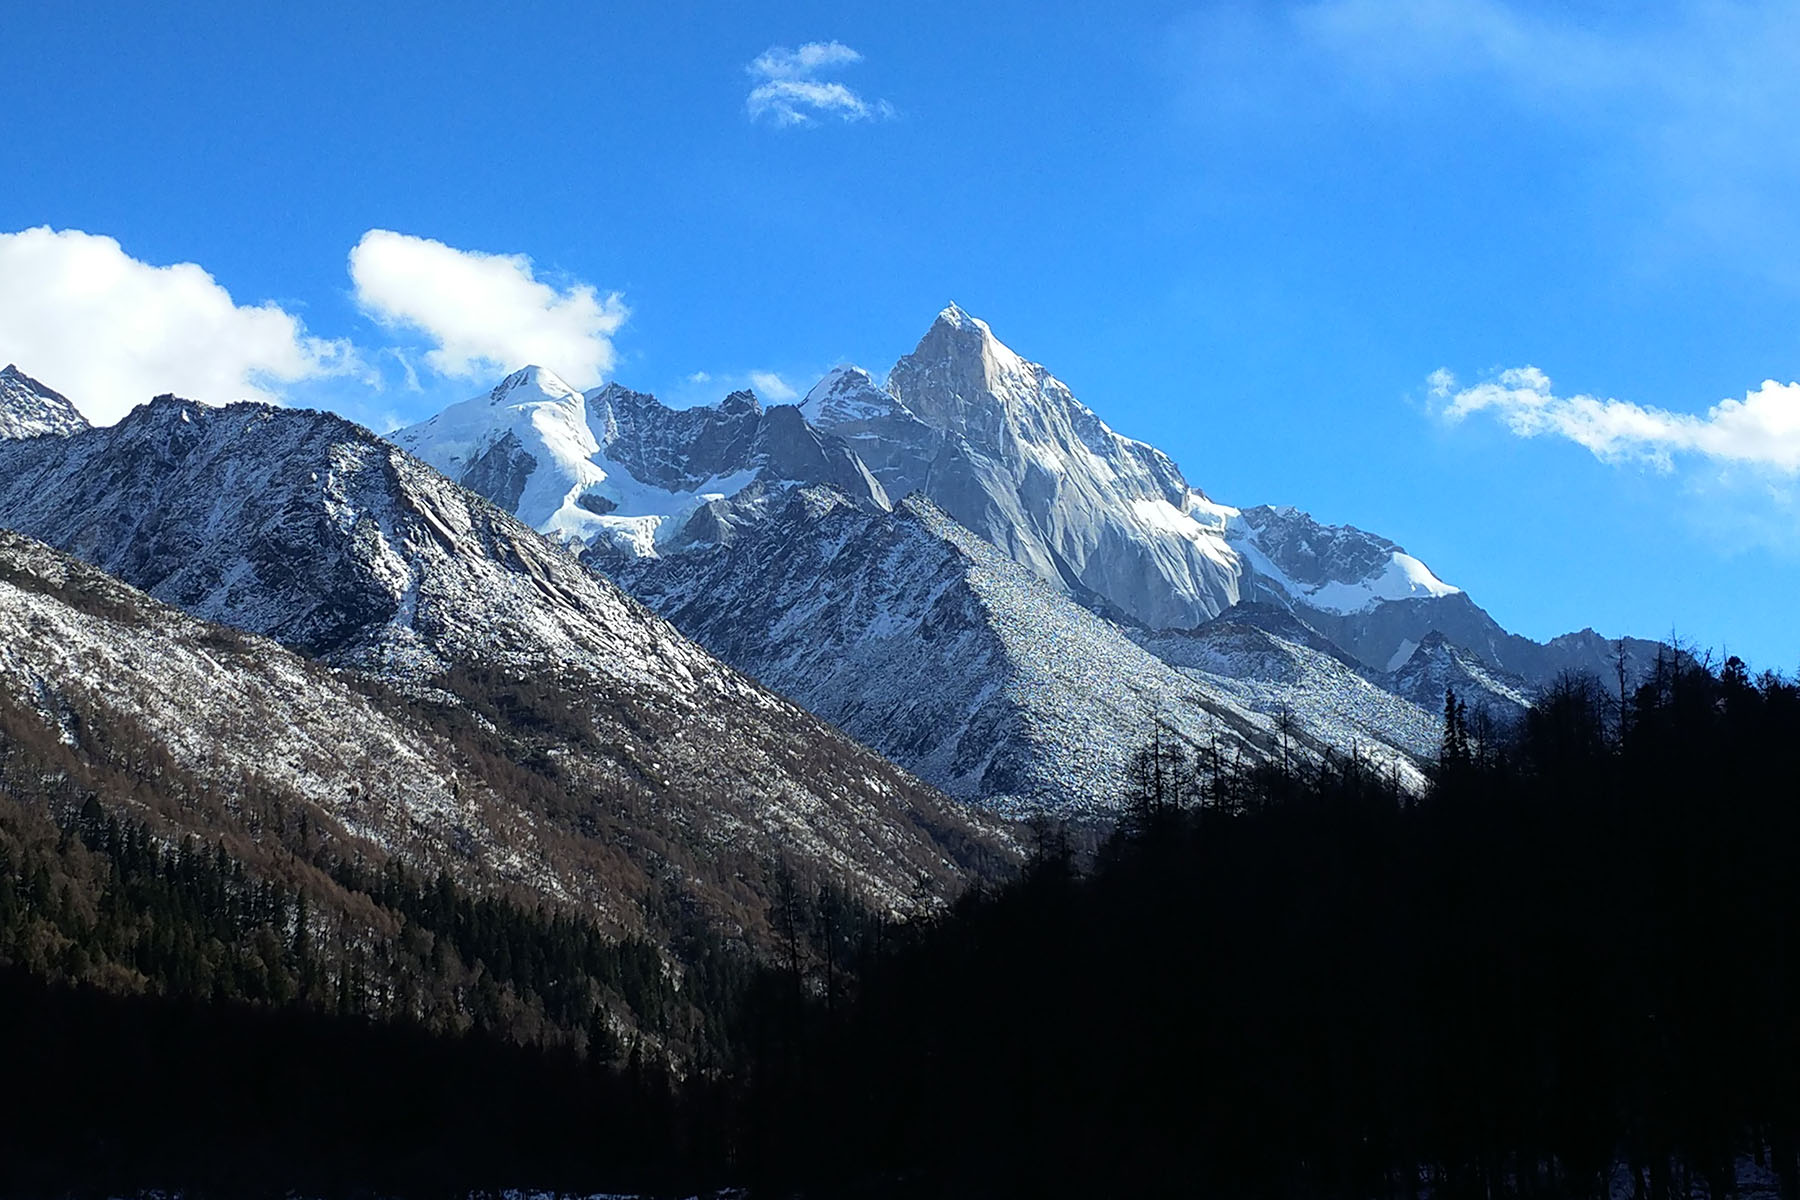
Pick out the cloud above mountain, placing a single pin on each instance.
(1761, 430)
(110, 330)
(482, 313)
(789, 90)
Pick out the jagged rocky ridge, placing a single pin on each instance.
(310, 530)
(617, 470)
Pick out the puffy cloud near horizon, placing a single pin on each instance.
(110, 331)
(789, 92)
(485, 314)
(1761, 430)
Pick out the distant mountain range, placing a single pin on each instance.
(714, 517)
(960, 566)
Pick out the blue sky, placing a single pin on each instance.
(1473, 275)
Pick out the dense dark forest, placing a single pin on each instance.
(1578, 948)
(1577, 953)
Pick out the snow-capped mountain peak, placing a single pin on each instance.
(29, 409)
(956, 316)
(1335, 568)
(530, 383)
(620, 472)
(1007, 449)
(845, 395)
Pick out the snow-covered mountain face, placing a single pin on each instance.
(620, 472)
(1004, 447)
(995, 441)
(29, 409)
(925, 642)
(311, 530)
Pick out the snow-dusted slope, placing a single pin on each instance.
(29, 409)
(306, 528)
(102, 662)
(925, 642)
(617, 469)
(1271, 665)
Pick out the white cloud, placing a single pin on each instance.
(110, 331)
(778, 62)
(485, 314)
(1761, 430)
(791, 94)
(771, 386)
(700, 377)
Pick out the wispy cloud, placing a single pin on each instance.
(111, 331)
(790, 92)
(771, 386)
(1762, 430)
(484, 313)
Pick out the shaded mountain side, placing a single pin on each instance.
(110, 895)
(1438, 666)
(1384, 636)
(309, 529)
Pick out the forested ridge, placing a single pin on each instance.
(1573, 955)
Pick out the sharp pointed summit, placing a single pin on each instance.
(30, 409)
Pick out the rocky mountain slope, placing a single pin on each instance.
(305, 528)
(1268, 661)
(923, 641)
(110, 671)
